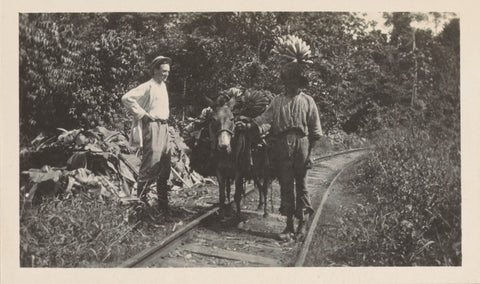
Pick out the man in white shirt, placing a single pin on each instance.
(150, 108)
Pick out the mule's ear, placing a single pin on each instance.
(231, 102)
(209, 101)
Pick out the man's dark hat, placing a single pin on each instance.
(294, 70)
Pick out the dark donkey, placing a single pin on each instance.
(221, 130)
(238, 157)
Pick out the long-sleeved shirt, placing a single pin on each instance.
(150, 97)
(286, 113)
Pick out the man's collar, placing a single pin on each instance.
(290, 96)
(156, 82)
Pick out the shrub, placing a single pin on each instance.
(413, 217)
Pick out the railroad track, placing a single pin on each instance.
(252, 241)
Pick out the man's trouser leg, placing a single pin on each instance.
(287, 195)
(162, 193)
(162, 182)
(145, 172)
(303, 205)
(287, 200)
(302, 200)
(282, 160)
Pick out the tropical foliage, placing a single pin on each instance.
(399, 87)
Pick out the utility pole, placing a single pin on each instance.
(183, 98)
(414, 91)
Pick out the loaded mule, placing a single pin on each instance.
(239, 155)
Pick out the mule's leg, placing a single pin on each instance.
(262, 184)
(228, 184)
(270, 186)
(221, 188)
(258, 184)
(265, 186)
(228, 187)
(238, 193)
(270, 189)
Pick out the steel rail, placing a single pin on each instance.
(170, 239)
(135, 260)
(311, 230)
(341, 153)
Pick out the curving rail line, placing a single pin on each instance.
(311, 229)
(173, 240)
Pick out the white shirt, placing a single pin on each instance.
(159, 107)
(151, 97)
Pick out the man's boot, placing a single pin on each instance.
(142, 191)
(289, 230)
(162, 194)
(302, 226)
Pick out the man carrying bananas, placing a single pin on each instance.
(294, 124)
(149, 105)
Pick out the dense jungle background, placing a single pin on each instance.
(399, 89)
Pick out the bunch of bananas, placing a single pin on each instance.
(226, 95)
(291, 48)
(252, 103)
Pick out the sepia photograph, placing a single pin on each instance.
(239, 139)
(135, 128)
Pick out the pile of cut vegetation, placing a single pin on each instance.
(95, 160)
